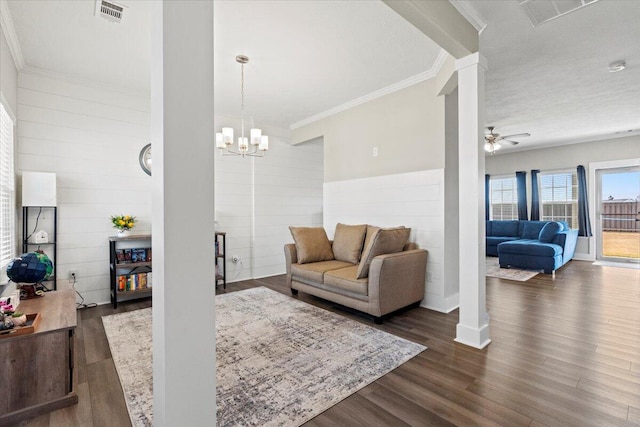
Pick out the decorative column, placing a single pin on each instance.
(473, 326)
(183, 138)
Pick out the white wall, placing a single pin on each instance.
(90, 137)
(413, 199)
(406, 126)
(8, 74)
(257, 199)
(563, 158)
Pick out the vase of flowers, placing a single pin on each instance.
(123, 223)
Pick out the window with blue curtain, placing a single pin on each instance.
(503, 199)
(535, 196)
(559, 196)
(521, 181)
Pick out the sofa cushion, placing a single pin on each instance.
(532, 229)
(549, 231)
(315, 271)
(312, 244)
(504, 228)
(345, 278)
(348, 241)
(382, 241)
(495, 241)
(530, 248)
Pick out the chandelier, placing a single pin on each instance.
(224, 140)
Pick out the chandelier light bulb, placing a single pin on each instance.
(227, 135)
(264, 143)
(256, 134)
(220, 140)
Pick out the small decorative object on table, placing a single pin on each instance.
(123, 223)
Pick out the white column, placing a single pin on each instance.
(473, 326)
(183, 214)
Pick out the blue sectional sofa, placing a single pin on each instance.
(537, 245)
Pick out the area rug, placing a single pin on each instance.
(517, 274)
(279, 361)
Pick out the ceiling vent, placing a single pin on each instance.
(111, 11)
(541, 11)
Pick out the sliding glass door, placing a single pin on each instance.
(618, 214)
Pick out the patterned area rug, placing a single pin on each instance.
(279, 361)
(517, 274)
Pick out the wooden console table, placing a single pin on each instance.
(37, 369)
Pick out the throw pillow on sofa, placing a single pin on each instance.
(549, 231)
(532, 229)
(312, 244)
(382, 241)
(348, 241)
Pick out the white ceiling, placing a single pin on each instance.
(310, 56)
(64, 36)
(553, 80)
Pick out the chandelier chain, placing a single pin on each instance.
(242, 98)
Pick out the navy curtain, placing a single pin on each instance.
(521, 181)
(584, 222)
(535, 196)
(487, 188)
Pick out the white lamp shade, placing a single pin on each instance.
(227, 135)
(39, 189)
(220, 140)
(264, 143)
(243, 143)
(255, 136)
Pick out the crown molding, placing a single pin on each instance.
(10, 34)
(470, 13)
(42, 72)
(426, 75)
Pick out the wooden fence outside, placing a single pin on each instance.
(621, 215)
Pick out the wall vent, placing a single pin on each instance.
(111, 11)
(541, 11)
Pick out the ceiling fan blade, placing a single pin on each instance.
(517, 135)
(511, 142)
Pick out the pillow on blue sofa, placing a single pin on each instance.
(549, 231)
(532, 229)
(504, 228)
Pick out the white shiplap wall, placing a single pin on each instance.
(257, 199)
(414, 199)
(90, 137)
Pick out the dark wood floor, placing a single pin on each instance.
(565, 352)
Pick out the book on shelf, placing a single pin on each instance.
(149, 277)
(139, 255)
(120, 256)
(127, 255)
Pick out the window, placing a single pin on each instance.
(7, 189)
(559, 197)
(503, 198)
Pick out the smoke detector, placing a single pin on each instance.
(614, 67)
(109, 10)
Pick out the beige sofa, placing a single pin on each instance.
(395, 280)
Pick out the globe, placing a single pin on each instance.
(32, 267)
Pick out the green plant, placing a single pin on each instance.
(17, 314)
(123, 222)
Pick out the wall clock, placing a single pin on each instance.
(145, 159)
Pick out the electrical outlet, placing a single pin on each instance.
(235, 259)
(73, 274)
(375, 151)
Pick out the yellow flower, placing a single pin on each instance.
(130, 224)
(120, 222)
(127, 217)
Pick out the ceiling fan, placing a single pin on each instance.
(493, 141)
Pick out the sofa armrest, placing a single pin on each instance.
(291, 257)
(396, 280)
(568, 239)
